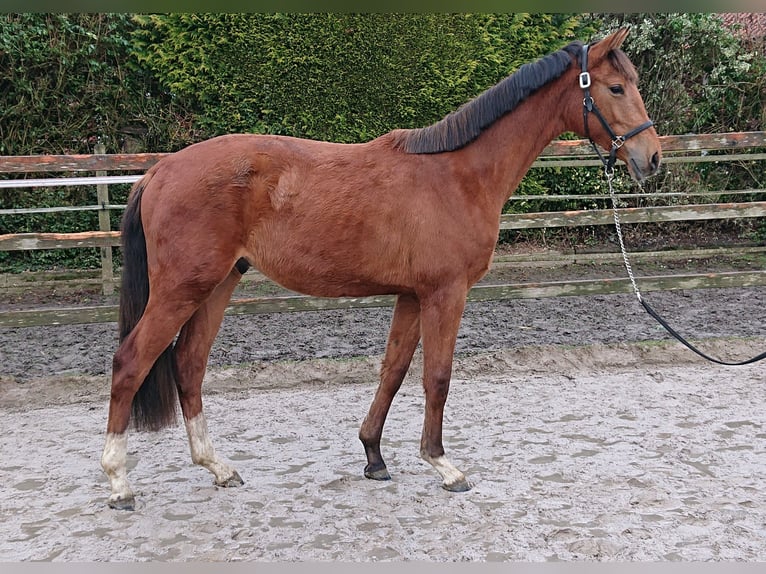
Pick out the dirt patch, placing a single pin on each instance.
(627, 452)
(74, 350)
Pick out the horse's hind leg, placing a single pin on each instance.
(132, 362)
(402, 340)
(192, 351)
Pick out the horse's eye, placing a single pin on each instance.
(617, 90)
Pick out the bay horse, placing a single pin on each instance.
(414, 213)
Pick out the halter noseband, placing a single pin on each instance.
(589, 106)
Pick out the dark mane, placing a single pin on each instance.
(464, 125)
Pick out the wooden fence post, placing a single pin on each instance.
(102, 192)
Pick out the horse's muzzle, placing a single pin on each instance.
(644, 168)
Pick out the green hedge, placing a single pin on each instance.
(69, 80)
(337, 77)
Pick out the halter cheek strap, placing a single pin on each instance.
(589, 106)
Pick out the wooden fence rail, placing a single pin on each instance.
(480, 293)
(725, 147)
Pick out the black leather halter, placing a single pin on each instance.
(589, 106)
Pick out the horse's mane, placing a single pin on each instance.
(464, 125)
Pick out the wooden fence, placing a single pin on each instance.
(724, 147)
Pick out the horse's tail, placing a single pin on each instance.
(155, 403)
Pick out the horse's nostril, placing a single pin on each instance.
(655, 162)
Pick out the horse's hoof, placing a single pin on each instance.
(461, 485)
(232, 481)
(377, 474)
(122, 503)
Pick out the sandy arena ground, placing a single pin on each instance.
(586, 433)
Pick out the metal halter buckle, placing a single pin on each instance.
(584, 80)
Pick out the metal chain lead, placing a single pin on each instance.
(618, 227)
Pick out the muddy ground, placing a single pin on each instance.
(587, 434)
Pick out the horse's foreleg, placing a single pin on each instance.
(440, 320)
(192, 351)
(402, 340)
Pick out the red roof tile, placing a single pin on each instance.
(747, 25)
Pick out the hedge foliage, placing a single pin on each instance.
(697, 76)
(69, 80)
(338, 77)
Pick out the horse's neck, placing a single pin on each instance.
(503, 154)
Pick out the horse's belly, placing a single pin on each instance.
(322, 278)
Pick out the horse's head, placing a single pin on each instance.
(613, 113)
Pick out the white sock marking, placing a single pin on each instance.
(448, 471)
(202, 450)
(114, 463)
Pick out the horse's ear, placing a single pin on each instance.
(611, 42)
(618, 38)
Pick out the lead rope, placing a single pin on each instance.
(609, 177)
